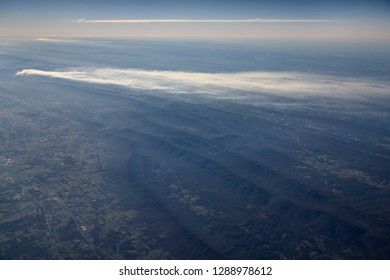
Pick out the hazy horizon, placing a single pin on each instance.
(302, 20)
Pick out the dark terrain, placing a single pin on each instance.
(103, 172)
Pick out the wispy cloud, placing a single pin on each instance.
(221, 84)
(52, 40)
(256, 20)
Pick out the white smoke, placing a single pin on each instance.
(281, 83)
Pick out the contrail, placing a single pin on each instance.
(257, 20)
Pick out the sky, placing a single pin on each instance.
(257, 19)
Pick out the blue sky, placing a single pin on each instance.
(352, 20)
